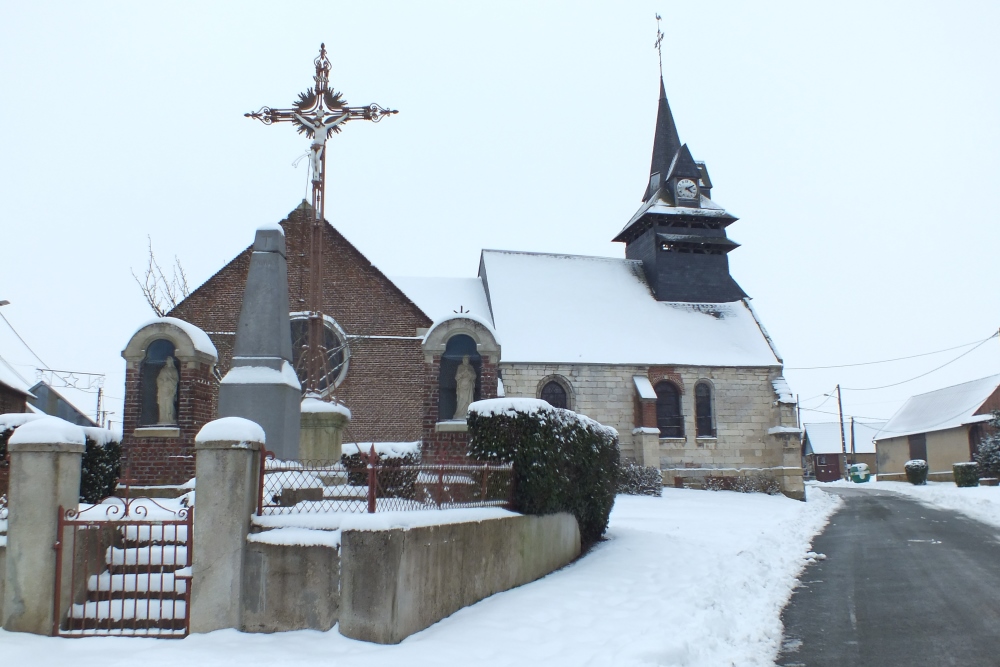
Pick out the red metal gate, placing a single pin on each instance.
(123, 568)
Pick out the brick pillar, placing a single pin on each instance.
(45, 457)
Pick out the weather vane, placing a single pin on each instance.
(659, 43)
(318, 112)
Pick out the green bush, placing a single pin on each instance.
(916, 472)
(393, 482)
(988, 452)
(100, 467)
(745, 484)
(966, 474)
(563, 462)
(637, 480)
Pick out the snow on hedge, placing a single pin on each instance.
(234, 429)
(102, 436)
(46, 430)
(316, 405)
(498, 406)
(15, 419)
(387, 450)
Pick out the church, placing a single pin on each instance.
(665, 347)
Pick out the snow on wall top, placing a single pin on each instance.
(824, 438)
(387, 450)
(199, 338)
(783, 391)
(311, 404)
(48, 430)
(15, 419)
(441, 297)
(11, 378)
(235, 429)
(571, 309)
(941, 409)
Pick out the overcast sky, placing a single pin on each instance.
(857, 142)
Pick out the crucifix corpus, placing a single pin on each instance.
(317, 113)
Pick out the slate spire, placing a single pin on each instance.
(666, 142)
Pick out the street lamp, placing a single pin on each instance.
(5, 302)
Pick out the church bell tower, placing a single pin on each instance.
(679, 233)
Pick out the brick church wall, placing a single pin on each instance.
(449, 446)
(386, 369)
(744, 404)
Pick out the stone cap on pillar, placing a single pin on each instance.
(270, 238)
(48, 434)
(230, 433)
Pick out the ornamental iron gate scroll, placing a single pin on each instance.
(125, 564)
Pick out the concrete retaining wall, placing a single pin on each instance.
(3, 576)
(397, 582)
(290, 587)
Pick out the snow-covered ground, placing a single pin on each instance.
(981, 503)
(695, 578)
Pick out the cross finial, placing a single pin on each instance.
(658, 44)
(323, 67)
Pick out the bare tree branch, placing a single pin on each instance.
(162, 293)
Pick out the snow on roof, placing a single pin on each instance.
(441, 297)
(942, 409)
(824, 437)
(11, 378)
(659, 204)
(571, 309)
(644, 387)
(199, 338)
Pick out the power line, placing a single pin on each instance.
(22, 340)
(886, 361)
(896, 384)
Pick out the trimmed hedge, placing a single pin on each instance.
(762, 483)
(916, 472)
(563, 462)
(392, 483)
(100, 467)
(966, 474)
(637, 480)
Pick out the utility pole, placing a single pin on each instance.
(843, 438)
(854, 453)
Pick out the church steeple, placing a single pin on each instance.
(679, 233)
(666, 143)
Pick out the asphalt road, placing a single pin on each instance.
(901, 585)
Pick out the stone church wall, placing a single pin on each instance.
(745, 407)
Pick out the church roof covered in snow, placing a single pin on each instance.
(824, 438)
(942, 409)
(442, 297)
(600, 310)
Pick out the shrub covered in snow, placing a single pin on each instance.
(563, 462)
(393, 481)
(966, 474)
(761, 483)
(637, 480)
(988, 453)
(101, 464)
(916, 471)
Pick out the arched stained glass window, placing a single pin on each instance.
(669, 419)
(554, 394)
(703, 410)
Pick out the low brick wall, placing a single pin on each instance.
(397, 582)
(290, 587)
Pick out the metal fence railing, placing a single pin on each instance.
(291, 487)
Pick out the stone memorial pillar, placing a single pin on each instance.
(227, 469)
(45, 457)
(322, 434)
(261, 384)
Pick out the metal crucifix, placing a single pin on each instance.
(319, 111)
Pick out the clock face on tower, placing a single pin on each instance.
(687, 189)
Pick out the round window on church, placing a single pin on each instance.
(336, 352)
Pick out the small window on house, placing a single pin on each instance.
(703, 410)
(668, 410)
(918, 446)
(554, 394)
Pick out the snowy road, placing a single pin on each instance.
(902, 584)
(695, 578)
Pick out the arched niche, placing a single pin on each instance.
(150, 354)
(457, 342)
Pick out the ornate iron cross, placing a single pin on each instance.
(319, 112)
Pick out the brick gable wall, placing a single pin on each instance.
(385, 378)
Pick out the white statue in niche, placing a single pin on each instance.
(166, 391)
(465, 387)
